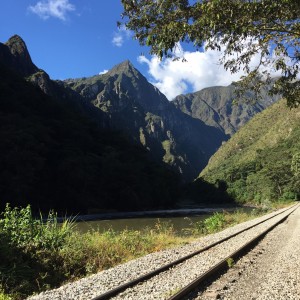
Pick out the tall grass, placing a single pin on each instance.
(37, 254)
(219, 221)
(29, 251)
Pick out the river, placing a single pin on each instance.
(179, 219)
(178, 223)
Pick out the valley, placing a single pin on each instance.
(90, 132)
(149, 149)
(111, 144)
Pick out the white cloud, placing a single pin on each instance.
(200, 70)
(121, 36)
(118, 40)
(52, 8)
(103, 72)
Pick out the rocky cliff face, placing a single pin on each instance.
(134, 105)
(15, 55)
(214, 107)
(123, 99)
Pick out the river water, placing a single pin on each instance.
(178, 223)
(178, 219)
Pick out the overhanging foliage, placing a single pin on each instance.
(242, 29)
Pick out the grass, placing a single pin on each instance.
(219, 221)
(94, 251)
(230, 262)
(37, 254)
(168, 157)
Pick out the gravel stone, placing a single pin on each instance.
(274, 272)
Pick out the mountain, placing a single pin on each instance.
(114, 139)
(15, 55)
(261, 162)
(56, 154)
(136, 107)
(214, 106)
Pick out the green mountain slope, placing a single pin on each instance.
(54, 156)
(260, 162)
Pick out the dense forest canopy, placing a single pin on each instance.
(241, 29)
(261, 161)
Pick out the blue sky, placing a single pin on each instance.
(80, 38)
(74, 41)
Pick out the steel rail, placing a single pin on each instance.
(222, 266)
(117, 290)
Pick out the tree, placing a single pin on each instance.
(242, 29)
(295, 167)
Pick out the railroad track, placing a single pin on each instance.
(220, 266)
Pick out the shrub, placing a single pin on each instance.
(288, 196)
(25, 231)
(29, 251)
(209, 225)
(215, 222)
(3, 296)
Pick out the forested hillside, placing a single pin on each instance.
(261, 162)
(53, 157)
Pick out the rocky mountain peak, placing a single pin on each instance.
(125, 67)
(129, 85)
(17, 46)
(14, 54)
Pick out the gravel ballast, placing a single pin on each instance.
(270, 271)
(162, 285)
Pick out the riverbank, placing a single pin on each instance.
(163, 285)
(39, 255)
(178, 212)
